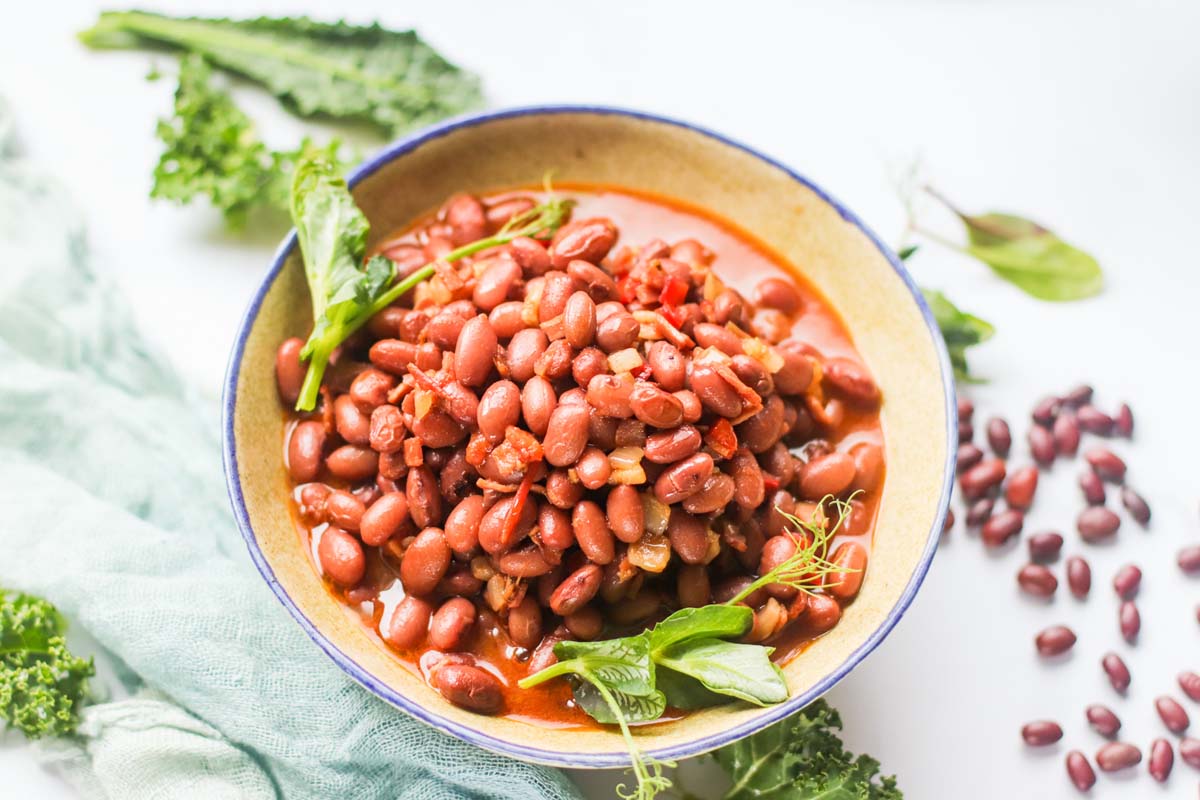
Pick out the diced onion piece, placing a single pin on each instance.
(423, 401)
(650, 553)
(763, 353)
(481, 568)
(625, 457)
(439, 293)
(712, 286)
(553, 328)
(714, 546)
(710, 356)
(533, 300)
(626, 360)
(657, 514)
(633, 476)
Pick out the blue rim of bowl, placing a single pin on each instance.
(533, 754)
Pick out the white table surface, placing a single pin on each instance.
(1084, 116)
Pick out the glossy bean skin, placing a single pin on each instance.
(1002, 527)
(673, 445)
(1189, 682)
(499, 408)
(587, 240)
(409, 623)
(1126, 581)
(1135, 505)
(341, 557)
(497, 532)
(1037, 580)
(1079, 576)
(425, 562)
(345, 510)
(830, 474)
(1103, 720)
(538, 402)
(777, 293)
(1045, 546)
(968, 455)
(469, 687)
(999, 437)
(1116, 756)
(462, 525)
(982, 477)
(592, 533)
(352, 463)
(654, 406)
(304, 451)
(1162, 759)
(1080, 771)
(1172, 714)
(716, 493)
(749, 486)
(1116, 670)
(525, 623)
(1093, 488)
(1055, 640)
(683, 478)
(576, 590)
(524, 349)
(1041, 445)
(554, 526)
(1065, 433)
(289, 371)
(625, 514)
(852, 381)
(1106, 464)
(579, 320)
(822, 613)
(667, 365)
(424, 499)
(688, 535)
(851, 560)
(494, 285)
(1041, 733)
(566, 435)
(1022, 485)
(1097, 523)
(452, 624)
(1189, 751)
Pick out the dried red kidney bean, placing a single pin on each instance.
(968, 456)
(1041, 445)
(1093, 488)
(1189, 751)
(1123, 422)
(1080, 771)
(1162, 758)
(1117, 755)
(1045, 546)
(1103, 720)
(1172, 714)
(1041, 733)
(1130, 621)
(1055, 640)
(979, 511)
(1066, 434)
(1126, 581)
(1021, 487)
(981, 478)
(1002, 527)
(1106, 464)
(1037, 580)
(1079, 576)
(1046, 410)
(1189, 559)
(966, 409)
(999, 436)
(1117, 672)
(1093, 420)
(966, 431)
(1078, 396)
(1096, 523)
(1135, 505)
(1189, 682)
(948, 523)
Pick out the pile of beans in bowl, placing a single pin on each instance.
(569, 439)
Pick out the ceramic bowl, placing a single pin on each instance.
(865, 282)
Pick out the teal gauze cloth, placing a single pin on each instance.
(114, 508)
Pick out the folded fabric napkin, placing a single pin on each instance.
(115, 510)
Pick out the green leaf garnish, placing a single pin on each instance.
(720, 621)
(744, 671)
(42, 685)
(212, 150)
(802, 758)
(960, 330)
(391, 79)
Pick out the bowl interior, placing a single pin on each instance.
(841, 259)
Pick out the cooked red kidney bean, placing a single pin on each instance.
(1188, 559)
(289, 370)
(466, 218)
(475, 351)
(617, 332)
(525, 348)
(1126, 581)
(556, 290)
(531, 255)
(305, 446)
(352, 463)
(979, 511)
(1093, 420)
(851, 560)
(393, 355)
(1046, 410)
(966, 409)
(1189, 682)
(1080, 771)
(1162, 758)
(576, 590)
(1045, 546)
(749, 486)
(683, 478)
(385, 518)
(592, 533)
(868, 466)
(999, 437)
(1037, 580)
(386, 431)
(499, 407)
(599, 284)
(715, 393)
(588, 240)
(585, 624)
(593, 468)
(1093, 488)
(674, 445)
(370, 388)
(312, 503)
(1066, 434)
(1106, 464)
(1002, 527)
(345, 510)
(468, 687)
(851, 380)
(626, 514)
(1096, 523)
(1041, 445)
(1189, 751)
(1041, 733)
(525, 623)
(452, 624)
(1078, 396)
(1135, 505)
(424, 500)
(667, 365)
(830, 474)
(966, 431)
(707, 334)
(561, 491)
(688, 535)
(1022, 485)
(425, 562)
(566, 435)
(437, 429)
(1172, 714)
(498, 532)
(506, 318)
(823, 613)
(1055, 640)
(968, 456)
(1117, 672)
(579, 319)
(1117, 756)
(796, 374)
(981, 478)
(527, 562)
(554, 527)
(588, 363)
(1130, 621)
(1103, 720)
(1123, 422)
(462, 525)
(655, 407)
(538, 401)
(496, 281)
(341, 557)
(409, 623)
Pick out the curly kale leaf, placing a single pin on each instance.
(42, 686)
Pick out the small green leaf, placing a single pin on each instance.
(687, 693)
(1043, 266)
(635, 708)
(623, 665)
(995, 228)
(960, 330)
(744, 671)
(907, 252)
(715, 621)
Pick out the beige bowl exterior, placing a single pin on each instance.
(889, 327)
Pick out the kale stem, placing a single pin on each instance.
(311, 387)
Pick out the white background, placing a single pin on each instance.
(1086, 117)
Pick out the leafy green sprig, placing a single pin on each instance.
(42, 685)
(332, 233)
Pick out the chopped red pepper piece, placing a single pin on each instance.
(627, 288)
(674, 315)
(674, 292)
(643, 372)
(514, 511)
(770, 482)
